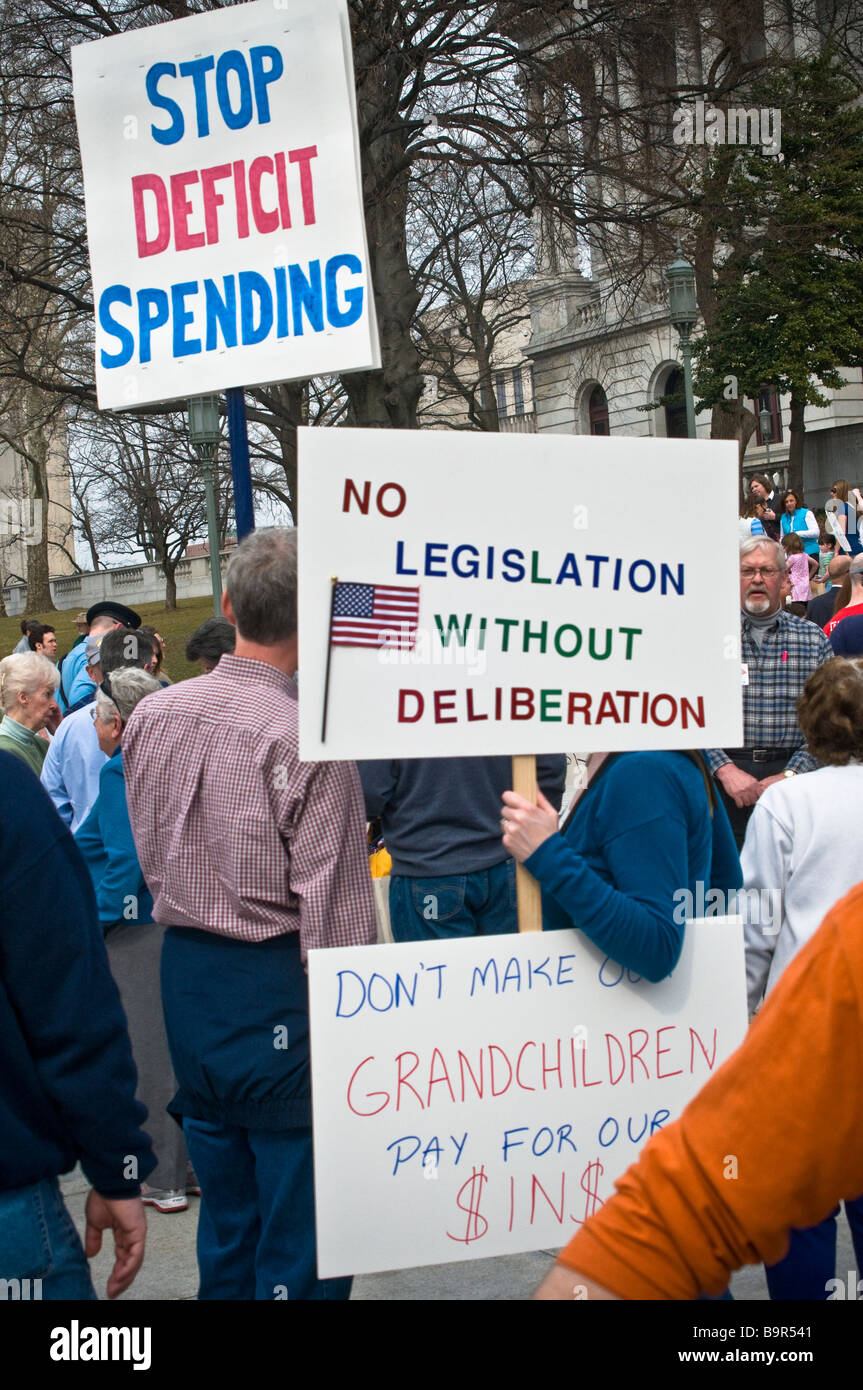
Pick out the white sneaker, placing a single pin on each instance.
(172, 1199)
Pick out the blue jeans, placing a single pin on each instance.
(811, 1258)
(39, 1241)
(478, 904)
(256, 1226)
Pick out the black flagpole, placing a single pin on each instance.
(333, 581)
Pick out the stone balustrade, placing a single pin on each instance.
(129, 584)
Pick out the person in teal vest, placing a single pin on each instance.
(27, 686)
(797, 517)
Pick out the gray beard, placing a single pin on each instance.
(762, 619)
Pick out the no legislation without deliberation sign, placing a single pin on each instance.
(224, 205)
(512, 594)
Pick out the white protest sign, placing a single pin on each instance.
(481, 1097)
(224, 204)
(512, 594)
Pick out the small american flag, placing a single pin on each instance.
(374, 615)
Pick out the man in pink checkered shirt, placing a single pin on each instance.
(252, 858)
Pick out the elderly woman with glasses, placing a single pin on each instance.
(133, 939)
(800, 857)
(27, 688)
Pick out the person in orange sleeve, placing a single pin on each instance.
(773, 1141)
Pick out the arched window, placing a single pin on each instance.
(598, 411)
(675, 412)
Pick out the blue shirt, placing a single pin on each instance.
(74, 679)
(70, 772)
(105, 840)
(636, 838)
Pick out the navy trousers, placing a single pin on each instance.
(236, 1015)
(256, 1228)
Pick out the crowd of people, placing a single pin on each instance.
(201, 860)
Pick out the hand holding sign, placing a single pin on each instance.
(525, 826)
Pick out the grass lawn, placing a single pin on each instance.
(176, 628)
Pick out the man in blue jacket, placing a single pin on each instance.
(102, 617)
(67, 1079)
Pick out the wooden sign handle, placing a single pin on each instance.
(527, 888)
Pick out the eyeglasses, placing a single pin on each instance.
(768, 572)
(833, 489)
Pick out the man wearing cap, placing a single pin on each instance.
(70, 773)
(102, 617)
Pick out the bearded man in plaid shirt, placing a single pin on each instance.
(252, 858)
(779, 653)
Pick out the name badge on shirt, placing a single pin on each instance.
(744, 673)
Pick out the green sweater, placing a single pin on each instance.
(23, 744)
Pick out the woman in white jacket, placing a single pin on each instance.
(801, 855)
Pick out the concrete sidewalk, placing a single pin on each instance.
(170, 1269)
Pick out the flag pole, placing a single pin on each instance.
(333, 582)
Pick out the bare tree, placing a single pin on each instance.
(472, 249)
(139, 490)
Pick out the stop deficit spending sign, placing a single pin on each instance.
(503, 594)
(224, 206)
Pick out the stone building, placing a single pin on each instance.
(463, 392)
(20, 522)
(602, 346)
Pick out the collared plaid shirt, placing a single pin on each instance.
(234, 834)
(778, 670)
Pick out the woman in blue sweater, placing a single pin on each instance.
(646, 826)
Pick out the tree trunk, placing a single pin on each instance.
(733, 420)
(87, 530)
(38, 586)
(293, 396)
(170, 568)
(387, 398)
(797, 438)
